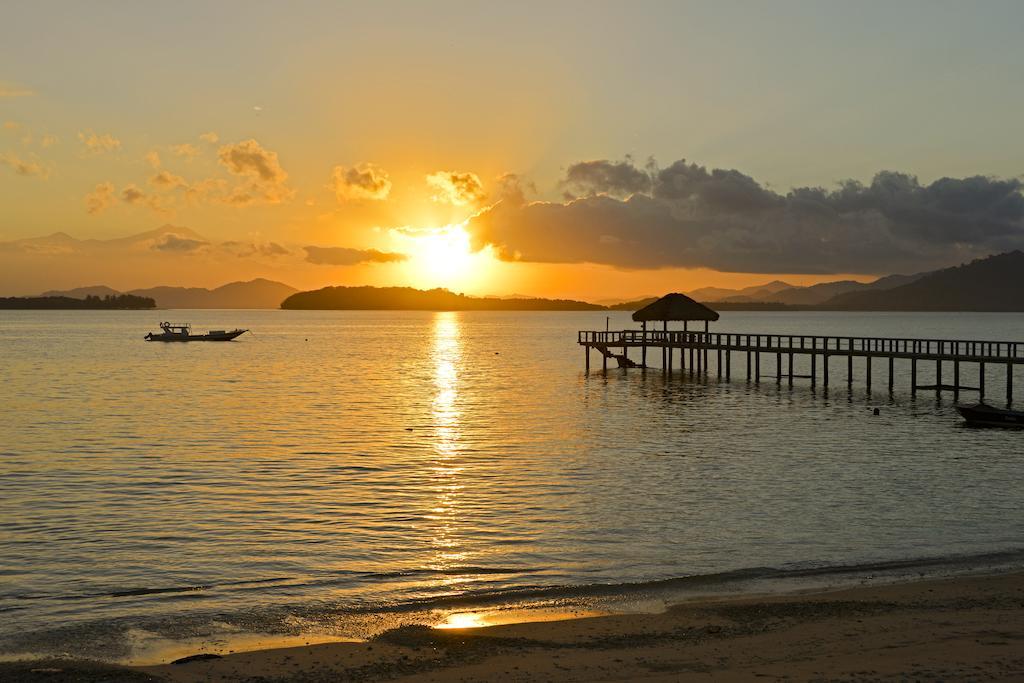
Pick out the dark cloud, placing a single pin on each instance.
(619, 179)
(346, 256)
(718, 191)
(178, 244)
(689, 216)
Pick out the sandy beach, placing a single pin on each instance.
(965, 628)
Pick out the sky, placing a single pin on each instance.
(590, 150)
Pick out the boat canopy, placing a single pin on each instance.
(176, 328)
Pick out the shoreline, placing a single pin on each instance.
(968, 626)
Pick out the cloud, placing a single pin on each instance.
(135, 196)
(14, 90)
(153, 158)
(690, 216)
(255, 248)
(512, 188)
(23, 167)
(619, 179)
(48, 140)
(456, 188)
(186, 150)
(364, 181)
(99, 144)
(207, 189)
(100, 199)
(267, 180)
(132, 195)
(210, 137)
(166, 180)
(178, 244)
(248, 158)
(345, 256)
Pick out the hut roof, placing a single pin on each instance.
(675, 307)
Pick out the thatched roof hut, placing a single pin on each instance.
(675, 307)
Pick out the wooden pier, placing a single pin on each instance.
(695, 350)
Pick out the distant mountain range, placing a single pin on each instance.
(407, 298)
(783, 293)
(995, 283)
(764, 292)
(258, 293)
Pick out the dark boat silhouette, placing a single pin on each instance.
(182, 332)
(983, 415)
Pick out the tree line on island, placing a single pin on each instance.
(90, 302)
(411, 299)
(995, 283)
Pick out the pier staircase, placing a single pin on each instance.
(623, 360)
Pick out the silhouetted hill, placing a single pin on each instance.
(82, 292)
(716, 305)
(258, 293)
(407, 298)
(634, 305)
(995, 283)
(118, 302)
(755, 293)
(815, 294)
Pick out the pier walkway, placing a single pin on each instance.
(698, 347)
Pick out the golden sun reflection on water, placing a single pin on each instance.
(464, 620)
(502, 617)
(446, 515)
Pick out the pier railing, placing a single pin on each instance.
(1007, 351)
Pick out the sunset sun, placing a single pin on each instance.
(443, 257)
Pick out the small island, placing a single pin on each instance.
(411, 299)
(119, 302)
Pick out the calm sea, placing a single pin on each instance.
(336, 472)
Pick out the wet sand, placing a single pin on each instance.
(966, 628)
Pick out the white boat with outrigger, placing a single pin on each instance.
(182, 332)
